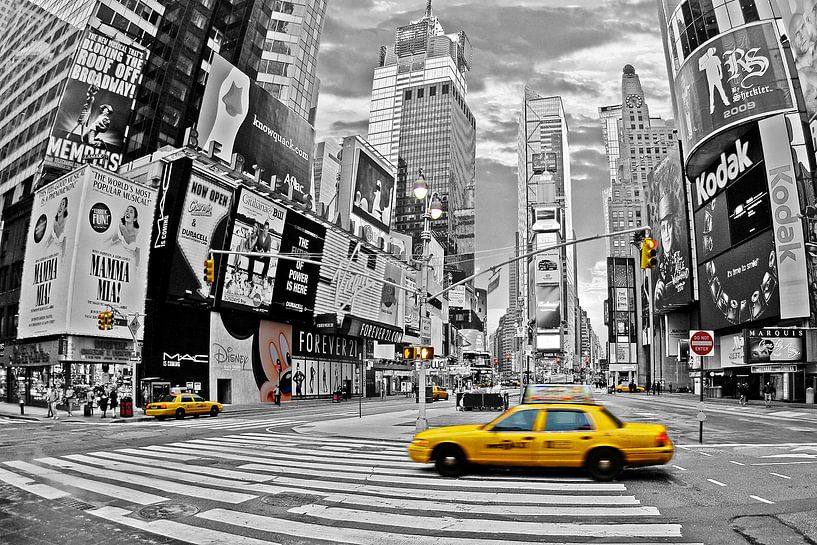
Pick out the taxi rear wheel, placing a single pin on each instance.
(213, 411)
(604, 464)
(179, 413)
(449, 460)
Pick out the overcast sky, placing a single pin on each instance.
(576, 51)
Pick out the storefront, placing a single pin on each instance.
(32, 368)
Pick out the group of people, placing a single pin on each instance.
(104, 396)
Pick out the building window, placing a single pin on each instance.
(407, 95)
(432, 91)
(420, 93)
(749, 10)
(445, 88)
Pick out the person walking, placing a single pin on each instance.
(276, 394)
(743, 390)
(103, 402)
(69, 399)
(659, 388)
(51, 401)
(113, 401)
(767, 394)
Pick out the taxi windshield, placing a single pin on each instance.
(612, 417)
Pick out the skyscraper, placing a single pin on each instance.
(325, 175)
(544, 187)
(420, 118)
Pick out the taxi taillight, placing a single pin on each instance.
(165, 407)
(662, 439)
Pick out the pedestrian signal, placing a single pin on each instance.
(426, 352)
(410, 353)
(209, 271)
(648, 251)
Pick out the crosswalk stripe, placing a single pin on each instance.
(24, 483)
(483, 525)
(209, 470)
(185, 489)
(505, 510)
(315, 440)
(231, 424)
(283, 449)
(175, 530)
(158, 452)
(352, 536)
(434, 481)
(98, 487)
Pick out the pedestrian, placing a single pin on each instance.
(659, 388)
(103, 402)
(113, 401)
(743, 389)
(383, 390)
(670, 387)
(767, 394)
(276, 394)
(51, 401)
(69, 399)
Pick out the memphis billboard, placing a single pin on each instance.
(92, 118)
(738, 76)
(241, 117)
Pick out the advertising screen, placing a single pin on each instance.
(296, 282)
(775, 345)
(548, 308)
(739, 75)
(712, 228)
(799, 17)
(748, 206)
(243, 118)
(374, 192)
(92, 119)
(548, 270)
(87, 249)
(258, 226)
(740, 286)
(667, 210)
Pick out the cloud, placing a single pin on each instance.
(348, 128)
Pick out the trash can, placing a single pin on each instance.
(809, 395)
(126, 407)
(87, 409)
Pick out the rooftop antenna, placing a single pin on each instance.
(428, 9)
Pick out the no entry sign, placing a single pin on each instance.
(702, 342)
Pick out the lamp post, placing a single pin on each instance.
(432, 209)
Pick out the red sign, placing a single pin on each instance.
(702, 343)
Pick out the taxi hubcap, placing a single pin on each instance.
(605, 464)
(450, 460)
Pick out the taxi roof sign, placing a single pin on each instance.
(558, 393)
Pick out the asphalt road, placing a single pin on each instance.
(252, 478)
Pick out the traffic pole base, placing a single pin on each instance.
(421, 425)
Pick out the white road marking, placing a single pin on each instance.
(796, 455)
(175, 530)
(204, 470)
(159, 484)
(352, 536)
(155, 451)
(489, 526)
(679, 468)
(783, 463)
(763, 500)
(705, 454)
(713, 481)
(725, 445)
(779, 475)
(736, 463)
(105, 489)
(24, 483)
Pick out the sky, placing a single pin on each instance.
(576, 50)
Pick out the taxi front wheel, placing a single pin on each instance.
(604, 464)
(179, 413)
(449, 460)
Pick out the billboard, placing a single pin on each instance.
(775, 345)
(799, 18)
(257, 227)
(667, 212)
(374, 193)
(548, 270)
(740, 286)
(737, 76)
(544, 218)
(243, 118)
(548, 308)
(87, 248)
(92, 119)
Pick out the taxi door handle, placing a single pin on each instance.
(527, 438)
(586, 437)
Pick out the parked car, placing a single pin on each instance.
(439, 393)
(181, 405)
(626, 388)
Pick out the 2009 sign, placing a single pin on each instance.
(741, 109)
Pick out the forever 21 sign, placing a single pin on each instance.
(327, 346)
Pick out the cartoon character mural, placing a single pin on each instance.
(272, 360)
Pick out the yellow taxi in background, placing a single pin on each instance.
(180, 405)
(554, 426)
(439, 393)
(626, 388)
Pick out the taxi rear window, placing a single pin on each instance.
(168, 398)
(612, 417)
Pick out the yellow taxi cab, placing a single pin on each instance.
(626, 388)
(180, 405)
(439, 393)
(554, 426)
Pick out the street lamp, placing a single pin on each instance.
(432, 209)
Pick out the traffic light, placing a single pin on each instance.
(209, 270)
(109, 320)
(105, 320)
(410, 353)
(425, 352)
(100, 324)
(648, 250)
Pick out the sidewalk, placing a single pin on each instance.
(695, 398)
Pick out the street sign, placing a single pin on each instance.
(701, 416)
(134, 325)
(520, 332)
(701, 342)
